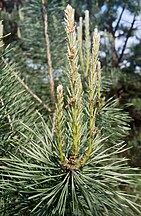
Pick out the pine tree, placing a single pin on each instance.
(72, 165)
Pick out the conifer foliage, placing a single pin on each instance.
(74, 166)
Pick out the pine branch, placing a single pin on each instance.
(76, 171)
(117, 25)
(28, 89)
(76, 85)
(48, 52)
(127, 37)
(95, 81)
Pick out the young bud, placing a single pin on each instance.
(60, 89)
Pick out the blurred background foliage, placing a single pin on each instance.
(119, 23)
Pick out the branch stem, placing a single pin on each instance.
(48, 53)
(28, 89)
(127, 37)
